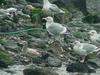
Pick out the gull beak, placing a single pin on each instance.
(44, 18)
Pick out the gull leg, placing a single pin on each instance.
(83, 59)
(61, 43)
(31, 61)
(62, 49)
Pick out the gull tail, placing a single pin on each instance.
(98, 49)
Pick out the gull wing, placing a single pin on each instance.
(89, 47)
(98, 39)
(54, 8)
(55, 29)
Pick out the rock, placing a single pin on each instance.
(10, 45)
(79, 67)
(38, 71)
(10, 2)
(3, 64)
(23, 2)
(54, 62)
(93, 6)
(42, 59)
(37, 42)
(7, 25)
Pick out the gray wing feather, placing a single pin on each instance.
(89, 47)
(55, 29)
(54, 8)
(98, 40)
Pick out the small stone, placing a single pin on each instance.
(54, 62)
(38, 71)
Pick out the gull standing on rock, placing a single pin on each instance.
(83, 49)
(94, 37)
(55, 29)
(51, 9)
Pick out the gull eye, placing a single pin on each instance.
(47, 18)
(92, 32)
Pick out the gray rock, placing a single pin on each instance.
(23, 2)
(38, 71)
(38, 43)
(11, 45)
(93, 6)
(54, 62)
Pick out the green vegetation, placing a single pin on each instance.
(6, 57)
(2, 1)
(36, 15)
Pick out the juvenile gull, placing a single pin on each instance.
(8, 12)
(94, 37)
(83, 49)
(51, 9)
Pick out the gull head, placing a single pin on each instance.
(29, 7)
(48, 19)
(92, 32)
(45, 1)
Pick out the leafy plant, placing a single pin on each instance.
(6, 57)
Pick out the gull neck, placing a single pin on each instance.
(46, 2)
(48, 24)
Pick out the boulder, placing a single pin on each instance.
(79, 67)
(54, 62)
(10, 45)
(38, 71)
(93, 6)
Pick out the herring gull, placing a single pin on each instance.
(51, 9)
(54, 28)
(83, 49)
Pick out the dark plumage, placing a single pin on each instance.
(79, 67)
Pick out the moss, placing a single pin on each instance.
(91, 19)
(6, 57)
(36, 11)
(36, 16)
(78, 34)
(67, 13)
